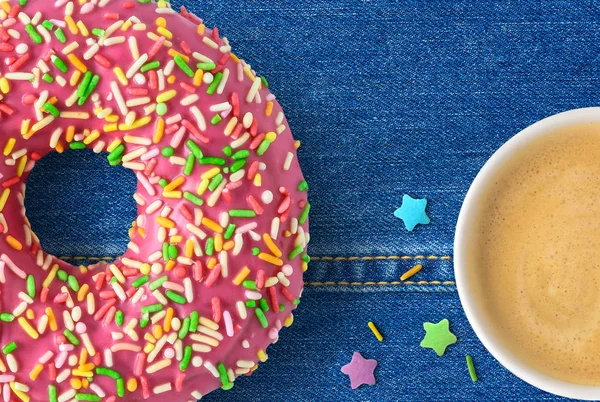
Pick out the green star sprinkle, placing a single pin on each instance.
(438, 336)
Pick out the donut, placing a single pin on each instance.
(214, 266)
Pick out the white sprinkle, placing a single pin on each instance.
(267, 197)
(241, 308)
(119, 98)
(137, 65)
(66, 396)
(63, 375)
(253, 92)
(213, 370)
(91, 303)
(199, 118)
(159, 389)
(12, 363)
(99, 391)
(189, 291)
(133, 47)
(197, 361)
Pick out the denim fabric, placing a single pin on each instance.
(388, 98)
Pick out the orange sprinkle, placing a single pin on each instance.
(271, 245)
(212, 225)
(270, 259)
(168, 319)
(14, 243)
(36, 371)
(165, 222)
(411, 272)
(178, 181)
(77, 63)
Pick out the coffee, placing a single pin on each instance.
(537, 254)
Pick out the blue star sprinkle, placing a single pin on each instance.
(412, 212)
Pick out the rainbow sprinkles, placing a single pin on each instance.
(215, 262)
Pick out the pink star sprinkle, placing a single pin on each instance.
(360, 370)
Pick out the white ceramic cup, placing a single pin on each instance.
(465, 270)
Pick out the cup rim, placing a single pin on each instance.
(525, 372)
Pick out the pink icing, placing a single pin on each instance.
(276, 195)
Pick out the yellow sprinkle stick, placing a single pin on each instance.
(411, 272)
(375, 331)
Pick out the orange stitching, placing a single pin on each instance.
(394, 283)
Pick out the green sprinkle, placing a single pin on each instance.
(261, 317)
(264, 306)
(229, 231)
(173, 252)
(264, 82)
(303, 186)
(195, 149)
(224, 377)
(60, 35)
(77, 145)
(140, 281)
(168, 151)
(85, 82)
(212, 160)
(471, 367)
(305, 258)
(189, 165)
(162, 109)
(31, 286)
(116, 153)
(194, 318)
(48, 25)
(238, 165)
(215, 120)
(113, 280)
(281, 308)
(176, 297)
(98, 32)
(87, 397)
(215, 181)
(183, 66)
(22, 3)
(241, 154)
(89, 90)
(120, 387)
(206, 66)
(214, 84)
(9, 348)
(262, 148)
(242, 213)
(163, 183)
(108, 372)
(52, 394)
(50, 108)
(144, 321)
(304, 214)
(185, 327)
(296, 301)
(187, 357)
(250, 303)
(48, 78)
(150, 66)
(255, 251)
(73, 283)
(71, 337)
(210, 245)
(165, 251)
(7, 317)
(227, 150)
(158, 282)
(192, 198)
(119, 318)
(295, 252)
(57, 61)
(152, 308)
(249, 284)
(35, 36)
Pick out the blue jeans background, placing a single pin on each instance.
(387, 97)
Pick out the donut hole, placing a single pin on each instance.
(80, 207)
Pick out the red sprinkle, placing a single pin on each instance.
(186, 212)
(255, 205)
(52, 371)
(44, 294)
(6, 47)
(287, 294)
(216, 308)
(128, 4)
(103, 61)
(260, 279)
(137, 91)
(10, 182)
(111, 16)
(19, 63)
(179, 381)
(104, 309)
(140, 362)
(234, 99)
(145, 388)
(156, 47)
(252, 170)
(214, 274)
(256, 141)
(198, 274)
(274, 299)
(179, 272)
(195, 132)
(186, 49)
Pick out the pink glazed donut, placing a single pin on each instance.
(216, 258)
